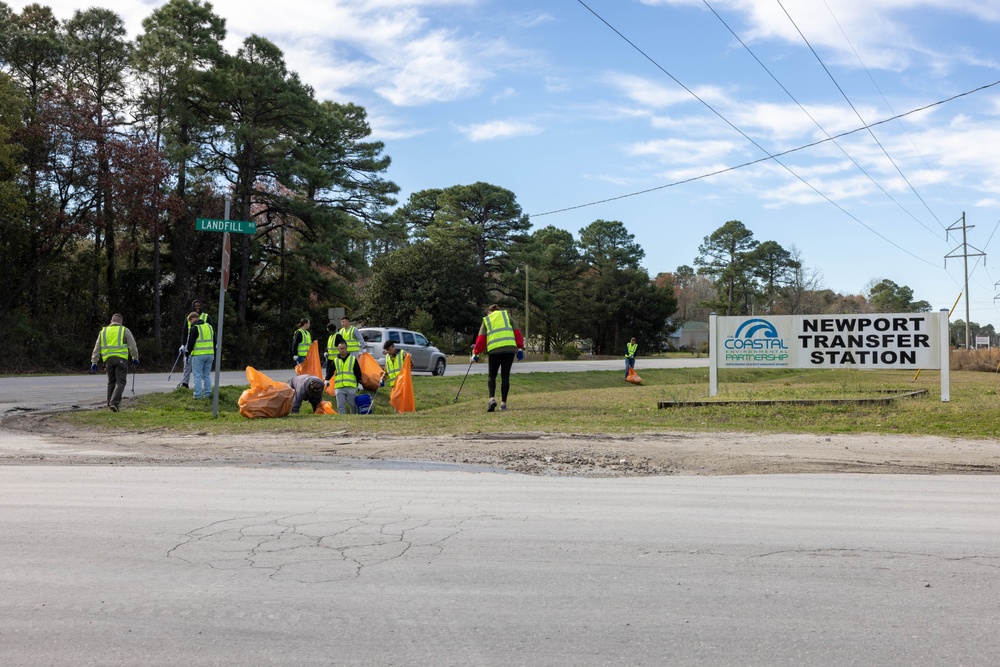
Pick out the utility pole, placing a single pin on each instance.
(965, 255)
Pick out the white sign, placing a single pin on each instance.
(887, 341)
(982, 341)
(830, 341)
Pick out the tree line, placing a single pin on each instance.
(111, 148)
(735, 274)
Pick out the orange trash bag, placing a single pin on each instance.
(325, 408)
(402, 392)
(311, 365)
(633, 377)
(265, 397)
(371, 372)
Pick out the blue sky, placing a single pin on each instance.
(546, 100)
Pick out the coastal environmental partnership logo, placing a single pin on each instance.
(756, 342)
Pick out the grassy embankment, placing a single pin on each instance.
(601, 402)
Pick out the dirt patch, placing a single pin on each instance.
(39, 439)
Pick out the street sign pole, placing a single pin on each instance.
(223, 285)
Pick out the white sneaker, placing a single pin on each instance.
(503, 406)
(491, 405)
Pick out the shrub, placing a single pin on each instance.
(570, 352)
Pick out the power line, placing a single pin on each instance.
(887, 104)
(816, 122)
(750, 139)
(765, 159)
(857, 113)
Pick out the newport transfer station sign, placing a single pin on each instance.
(870, 341)
(232, 226)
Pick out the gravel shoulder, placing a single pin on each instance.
(38, 439)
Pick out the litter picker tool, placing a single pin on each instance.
(179, 355)
(463, 381)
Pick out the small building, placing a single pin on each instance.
(689, 336)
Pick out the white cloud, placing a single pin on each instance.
(649, 94)
(499, 129)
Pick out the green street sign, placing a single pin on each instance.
(232, 226)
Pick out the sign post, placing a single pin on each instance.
(225, 226)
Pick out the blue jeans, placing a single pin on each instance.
(629, 363)
(201, 370)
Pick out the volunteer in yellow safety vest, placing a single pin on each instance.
(501, 339)
(185, 333)
(630, 349)
(355, 345)
(114, 345)
(393, 362)
(332, 340)
(301, 340)
(346, 378)
(200, 348)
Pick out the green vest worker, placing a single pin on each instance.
(500, 337)
(350, 336)
(114, 345)
(201, 352)
(347, 377)
(393, 362)
(630, 349)
(301, 341)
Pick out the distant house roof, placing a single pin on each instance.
(689, 327)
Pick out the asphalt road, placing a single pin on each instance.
(396, 565)
(66, 391)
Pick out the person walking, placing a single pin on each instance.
(185, 332)
(355, 343)
(307, 388)
(201, 353)
(500, 338)
(630, 349)
(301, 340)
(115, 344)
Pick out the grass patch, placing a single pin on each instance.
(601, 402)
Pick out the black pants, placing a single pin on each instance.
(117, 379)
(500, 361)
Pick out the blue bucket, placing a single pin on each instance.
(364, 404)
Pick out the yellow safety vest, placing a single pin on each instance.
(203, 344)
(499, 332)
(630, 349)
(344, 372)
(113, 342)
(351, 338)
(304, 344)
(394, 365)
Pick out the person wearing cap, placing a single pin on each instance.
(185, 334)
(501, 339)
(346, 378)
(355, 343)
(114, 345)
(200, 347)
(307, 388)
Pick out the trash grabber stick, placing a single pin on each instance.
(463, 381)
(179, 355)
(133, 381)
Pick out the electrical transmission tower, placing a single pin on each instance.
(965, 255)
